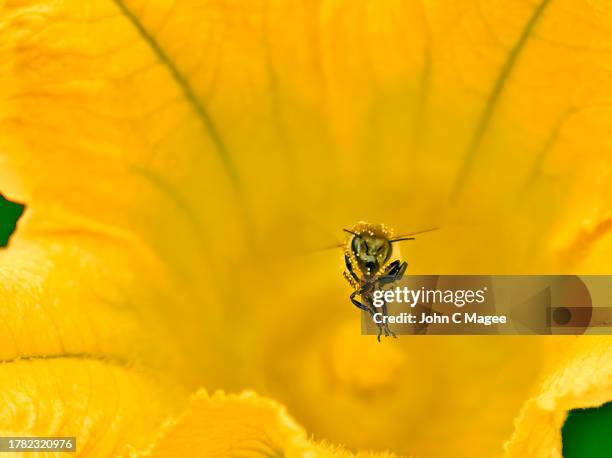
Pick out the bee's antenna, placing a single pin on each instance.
(399, 238)
(351, 232)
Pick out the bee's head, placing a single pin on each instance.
(370, 247)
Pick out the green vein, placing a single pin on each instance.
(547, 147)
(277, 111)
(189, 94)
(180, 203)
(424, 84)
(493, 99)
(110, 359)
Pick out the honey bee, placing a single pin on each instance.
(367, 256)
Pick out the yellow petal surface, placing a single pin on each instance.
(80, 342)
(177, 160)
(108, 407)
(243, 425)
(231, 425)
(581, 379)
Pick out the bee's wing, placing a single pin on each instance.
(325, 248)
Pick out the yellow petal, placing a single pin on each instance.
(108, 406)
(170, 151)
(231, 425)
(239, 425)
(581, 379)
(82, 326)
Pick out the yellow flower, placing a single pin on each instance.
(244, 425)
(181, 161)
(583, 378)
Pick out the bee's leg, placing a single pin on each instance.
(367, 309)
(388, 276)
(385, 324)
(359, 304)
(395, 270)
(392, 267)
(349, 268)
(401, 270)
(398, 273)
(380, 331)
(388, 331)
